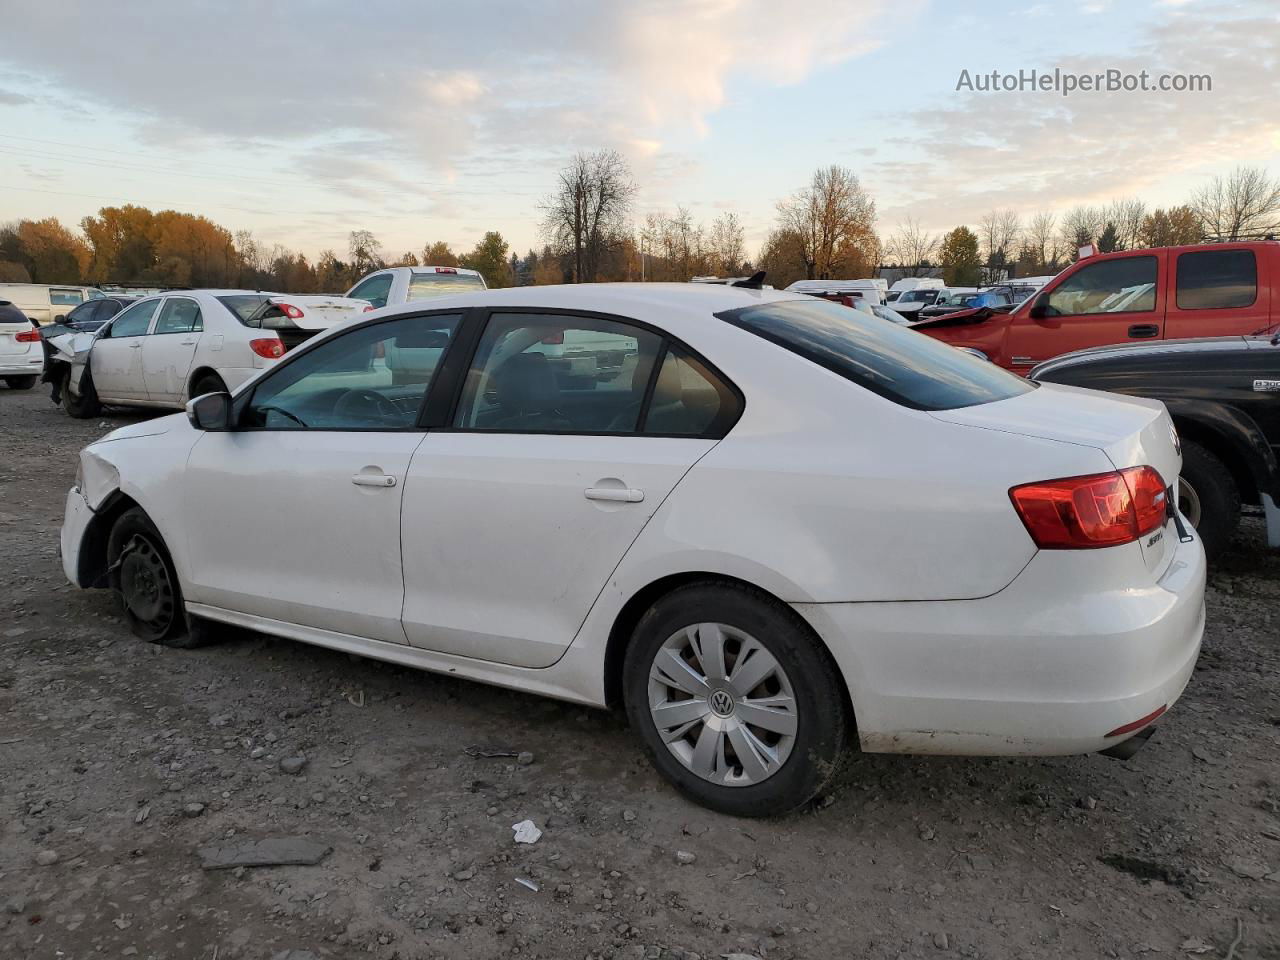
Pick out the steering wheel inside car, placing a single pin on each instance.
(362, 403)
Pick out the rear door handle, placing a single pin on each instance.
(616, 494)
(187, 343)
(1144, 331)
(373, 480)
(135, 346)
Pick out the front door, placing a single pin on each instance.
(1117, 300)
(116, 358)
(295, 514)
(168, 351)
(561, 449)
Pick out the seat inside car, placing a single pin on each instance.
(527, 395)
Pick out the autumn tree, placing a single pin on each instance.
(1080, 225)
(997, 237)
(1169, 228)
(122, 242)
(50, 253)
(438, 254)
(1243, 203)
(1126, 217)
(406, 259)
(587, 212)
(832, 222)
(727, 245)
(490, 258)
(911, 248)
(961, 262)
(1040, 245)
(365, 251)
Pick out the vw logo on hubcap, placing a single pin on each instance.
(722, 703)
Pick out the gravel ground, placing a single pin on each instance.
(118, 760)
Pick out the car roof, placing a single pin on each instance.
(617, 298)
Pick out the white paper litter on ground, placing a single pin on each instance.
(526, 831)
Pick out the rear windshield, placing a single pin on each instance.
(244, 305)
(897, 363)
(424, 286)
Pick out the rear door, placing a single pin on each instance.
(116, 358)
(1217, 291)
(519, 508)
(1111, 300)
(167, 353)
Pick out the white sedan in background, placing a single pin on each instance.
(163, 350)
(767, 524)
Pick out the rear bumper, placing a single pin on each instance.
(74, 524)
(26, 364)
(1032, 670)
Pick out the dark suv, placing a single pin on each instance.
(1224, 396)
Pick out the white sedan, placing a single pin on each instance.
(163, 350)
(766, 524)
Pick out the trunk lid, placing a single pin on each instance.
(1131, 431)
(324, 311)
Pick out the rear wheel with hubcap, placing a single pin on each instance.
(738, 703)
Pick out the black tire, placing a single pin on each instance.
(821, 720)
(207, 383)
(86, 404)
(21, 383)
(1218, 495)
(146, 584)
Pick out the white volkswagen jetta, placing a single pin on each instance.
(764, 523)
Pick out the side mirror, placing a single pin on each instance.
(1039, 307)
(210, 411)
(60, 318)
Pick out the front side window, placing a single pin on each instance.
(179, 315)
(65, 298)
(424, 286)
(1217, 279)
(893, 361)
(536, 373)
(1126, 285)
(375, 290)
(371, 378)
(134, 321)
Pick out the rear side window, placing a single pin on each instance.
(1217, 279)
(899, 364)
(424, 286)
(179, 315)
(65, 298)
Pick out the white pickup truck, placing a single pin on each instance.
(395, 285)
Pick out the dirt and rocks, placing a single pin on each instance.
(122, 765)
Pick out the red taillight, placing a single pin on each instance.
(370, 307)
(553, 338)
(1099, 510)
(290, 311)
(28, 336)
(269, 347)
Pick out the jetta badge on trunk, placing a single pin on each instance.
(1266, 386)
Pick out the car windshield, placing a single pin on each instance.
(424, 286)
(897, 363)
(244, 305)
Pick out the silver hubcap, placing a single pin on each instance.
(1189, 502)
(722, 704)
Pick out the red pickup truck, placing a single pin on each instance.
(1207, 290)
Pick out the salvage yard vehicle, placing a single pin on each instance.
(396, 285)
(161, 351)
(1163, 293)
(1223, 394)
(45, 302)
(759, 539)
(21, 359)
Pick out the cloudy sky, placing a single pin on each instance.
(429, 121)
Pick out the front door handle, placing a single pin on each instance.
(135, 346)
(373, 480)
(616, 494)
(187, 343)
(1144, 331)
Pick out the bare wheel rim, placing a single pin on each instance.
(722, 704)
(1189, 502)
(145, 586)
